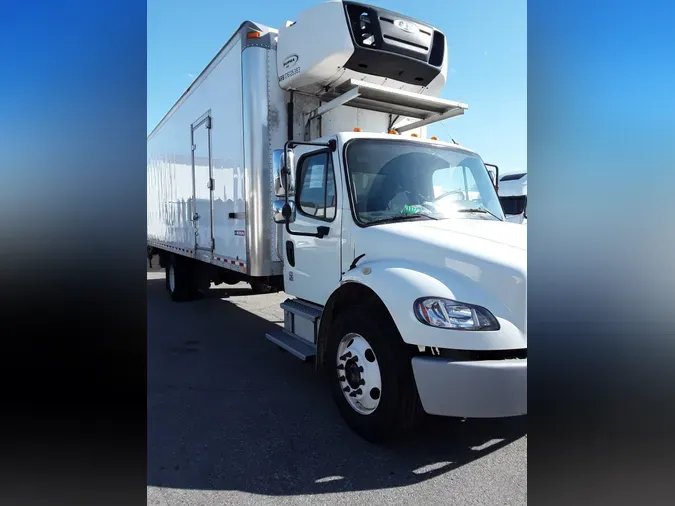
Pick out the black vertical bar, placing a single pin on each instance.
(325, 187)
(289, 113)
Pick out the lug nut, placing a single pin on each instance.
(360, 369)
(345, 389)
(341, 378)
(356, 392)
(346, 355)
(363, 382)
(341, 367)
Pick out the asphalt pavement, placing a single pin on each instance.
(232, 419)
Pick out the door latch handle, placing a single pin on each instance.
(195, 217)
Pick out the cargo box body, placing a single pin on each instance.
(209, 161)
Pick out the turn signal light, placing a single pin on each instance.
(357, 129)
(393, 132)
(434, 138)
(253, 35)
(414, 135)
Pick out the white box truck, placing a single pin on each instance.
(298, 161)
(513, 196)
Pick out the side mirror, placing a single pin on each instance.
(278, 211)
(279, 162)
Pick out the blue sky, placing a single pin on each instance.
(487, 42)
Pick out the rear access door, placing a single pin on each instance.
(202, 179)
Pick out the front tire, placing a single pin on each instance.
(370, 375)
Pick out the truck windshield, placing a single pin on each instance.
(393, 179)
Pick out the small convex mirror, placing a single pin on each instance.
(279, 207)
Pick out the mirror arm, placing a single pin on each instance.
(496, 175)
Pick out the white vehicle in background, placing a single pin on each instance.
(513, 196)
(298, 161)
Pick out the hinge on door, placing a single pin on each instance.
(213, 244)
(211, 184)
(194, 146)
(208, 122)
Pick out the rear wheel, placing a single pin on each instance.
(180, 282)
(261, 287)
(370, 375)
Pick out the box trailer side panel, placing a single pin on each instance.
(210, 181)
(199, 145)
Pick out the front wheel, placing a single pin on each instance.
(370, 375)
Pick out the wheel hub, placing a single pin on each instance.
(359, 374)
(353, 374)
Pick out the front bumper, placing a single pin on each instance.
(480, 389)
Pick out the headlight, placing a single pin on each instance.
(450, 314)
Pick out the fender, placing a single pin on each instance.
(399, 283)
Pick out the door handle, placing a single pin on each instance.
(290, 253)
(195, 217)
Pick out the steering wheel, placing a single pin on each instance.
(451, 192)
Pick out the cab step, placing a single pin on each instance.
(303, 309)
(301, 326)
(292, 344)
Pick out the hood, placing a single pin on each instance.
(485, 260)
(472, 236)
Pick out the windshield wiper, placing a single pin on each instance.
(480, 209)
(404, 217)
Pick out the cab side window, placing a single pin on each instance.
(316, 187)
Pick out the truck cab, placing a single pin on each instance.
(407, 285)
(398, 249)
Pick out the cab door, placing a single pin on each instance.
(312, 262)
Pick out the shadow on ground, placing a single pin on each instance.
(227, 410)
